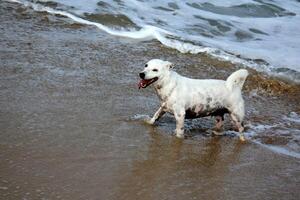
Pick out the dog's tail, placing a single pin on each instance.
(236, 79)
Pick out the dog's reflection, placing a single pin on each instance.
(173, 164)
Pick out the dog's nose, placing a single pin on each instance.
(142, 75)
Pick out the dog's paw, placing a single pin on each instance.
(149, 121)
(242, 138)
(179, 134)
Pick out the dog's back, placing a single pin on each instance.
(211, 94)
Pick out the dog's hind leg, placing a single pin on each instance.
(219, 125)
(158, 114)
(239, 126)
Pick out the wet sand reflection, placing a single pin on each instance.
(181, 169)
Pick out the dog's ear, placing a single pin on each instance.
(169, 65)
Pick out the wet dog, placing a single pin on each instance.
(188, 98)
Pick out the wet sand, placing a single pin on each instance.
(70, 124)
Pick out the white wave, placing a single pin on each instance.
(280, 48)
(292, 117)
(14, 1)
(147, 32)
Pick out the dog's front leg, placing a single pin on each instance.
(179, 116)
(160, 112)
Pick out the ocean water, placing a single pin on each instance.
(71, 117)
(262, 34)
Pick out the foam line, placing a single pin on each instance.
(148, 32)
(280, 150)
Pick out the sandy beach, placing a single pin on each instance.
(71, 121)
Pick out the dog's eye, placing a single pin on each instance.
(155, 70)
(146, 65)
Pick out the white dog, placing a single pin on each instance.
(193, 98)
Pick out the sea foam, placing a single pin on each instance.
(190, 27)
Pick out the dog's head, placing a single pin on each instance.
(154, 70)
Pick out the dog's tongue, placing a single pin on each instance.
(143, 83)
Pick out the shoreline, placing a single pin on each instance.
(68, 96)
(282, 73)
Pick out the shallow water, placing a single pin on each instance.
(71, 122)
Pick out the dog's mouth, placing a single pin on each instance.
(146, 82)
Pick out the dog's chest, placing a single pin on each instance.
(165, 93)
